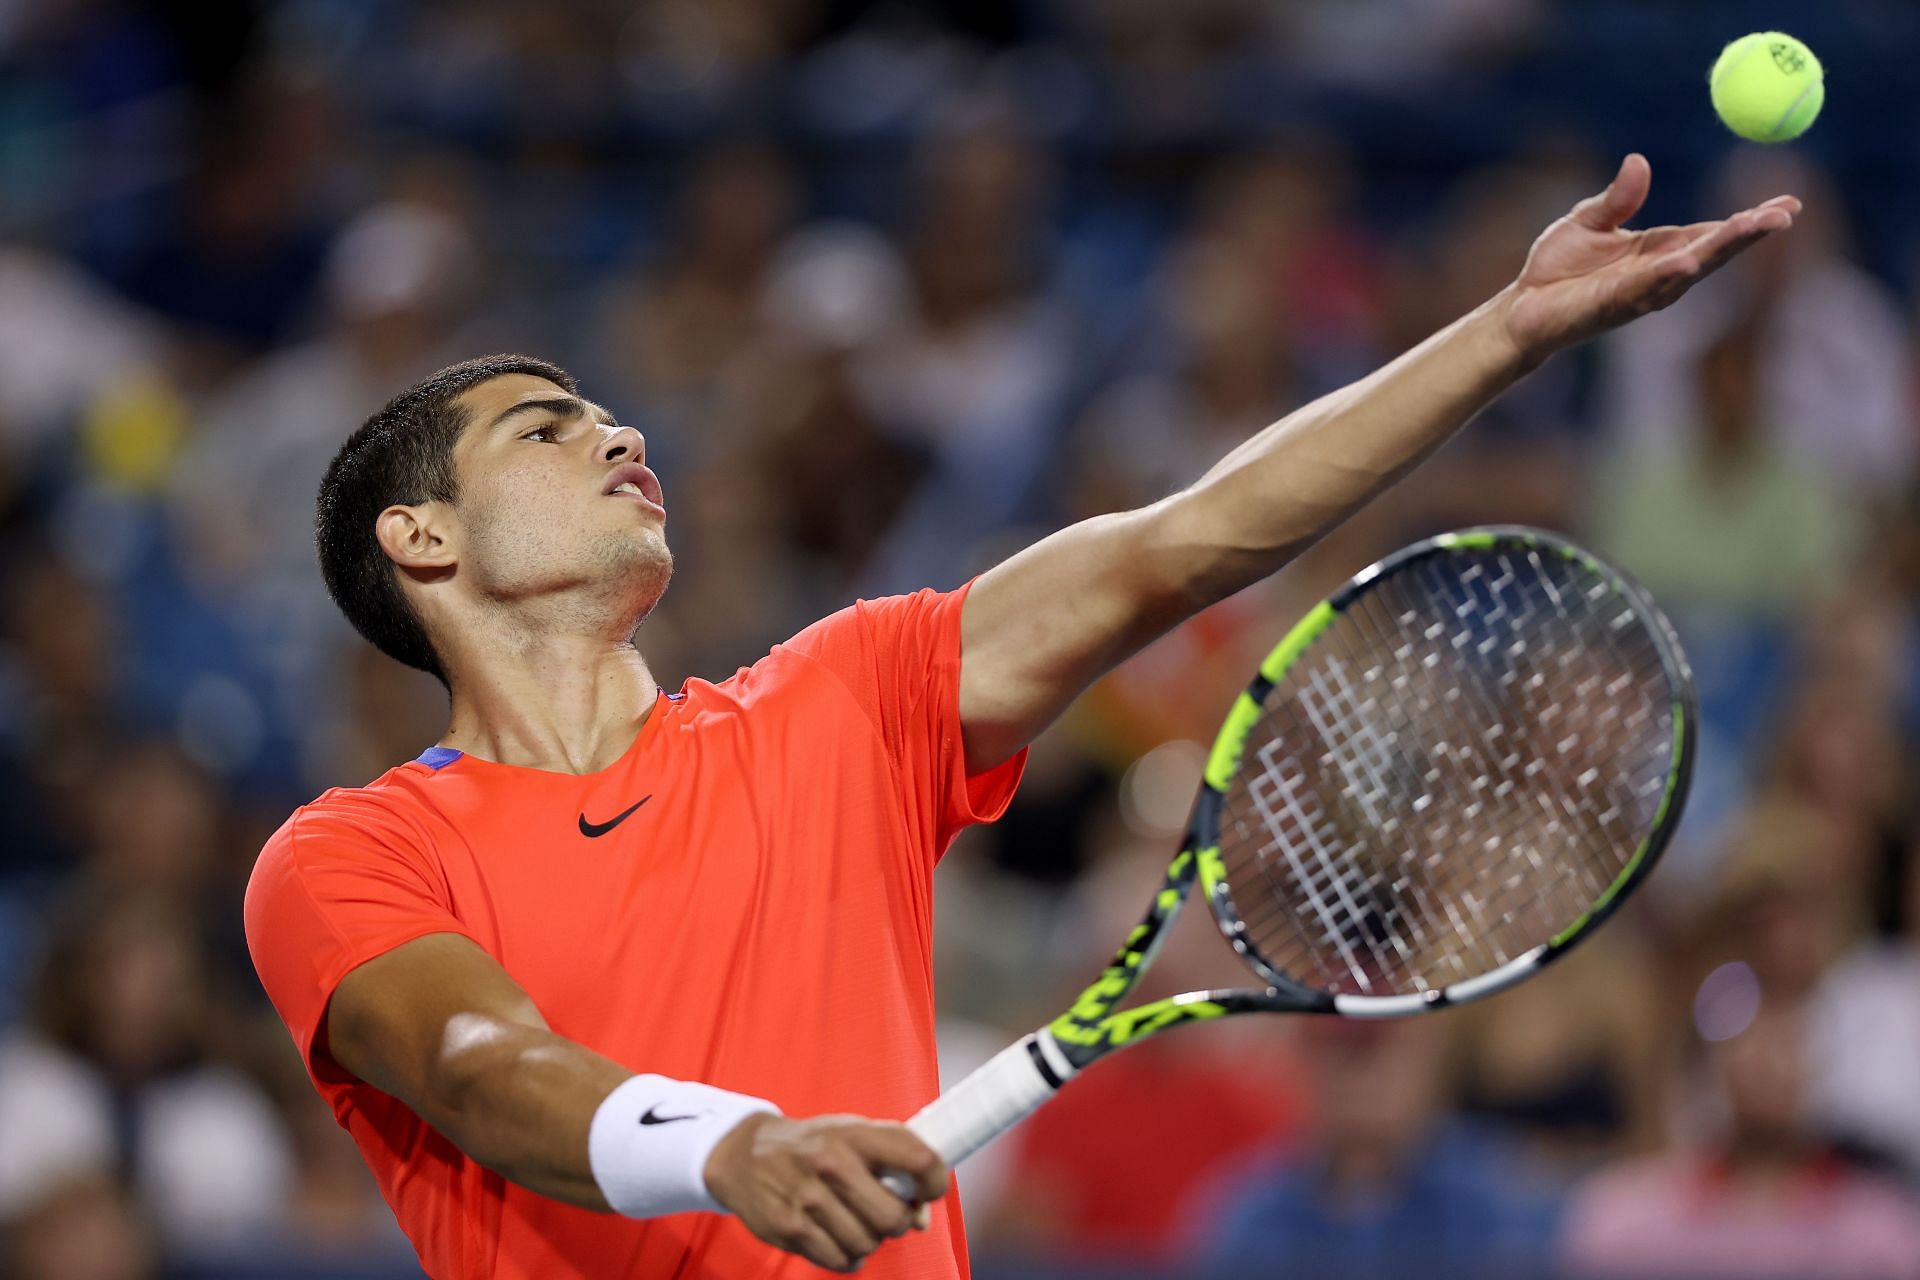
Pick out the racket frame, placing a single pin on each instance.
(1023, 1076)
(1093, 1025)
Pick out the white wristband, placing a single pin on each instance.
(650, 1139)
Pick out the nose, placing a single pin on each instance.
(622, 444)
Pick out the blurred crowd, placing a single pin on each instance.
(893, 289)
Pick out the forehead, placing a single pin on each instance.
(488, 400)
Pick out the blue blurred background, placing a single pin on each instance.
(892, 289)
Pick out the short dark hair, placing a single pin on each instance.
(401, 455)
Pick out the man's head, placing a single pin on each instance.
(490, 483)
(1762, 1077)
(1381, 1087)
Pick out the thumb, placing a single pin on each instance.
(1622, 198)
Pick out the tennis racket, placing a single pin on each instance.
(1448, 774)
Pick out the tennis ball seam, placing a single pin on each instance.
(1721, 71)
(1793, 108)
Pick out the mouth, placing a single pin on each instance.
(630, 480)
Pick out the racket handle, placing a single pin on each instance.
(1000, 1093)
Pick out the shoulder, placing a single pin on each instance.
(873, 649)
(392, 803)
(877, 618)
(385, 819)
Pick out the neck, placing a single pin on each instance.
(565, 703)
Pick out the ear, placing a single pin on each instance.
(420, 539)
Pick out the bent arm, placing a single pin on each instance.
(1041, 627)
(438, 1024)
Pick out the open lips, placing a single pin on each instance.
(634, 480)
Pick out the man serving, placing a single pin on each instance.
(621, 982)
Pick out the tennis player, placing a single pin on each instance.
(621, 982)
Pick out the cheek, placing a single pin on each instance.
(521, 504)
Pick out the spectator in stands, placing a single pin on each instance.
(83, 1229)
(1757, 1196)
(65, 340)
(398, 280)
(1863, 1040)
(1576, 1066)
(680, 324)
(333, 1212)
(1786, 898)
(978, 374)
(1520, 463)
(1832, 356)
(1840, 752)
(234, 266)
(115, 1076)
(1722, 515)
(1392, 1184)
(398, 284)
(157, 829)
(777, 532)
(60, 664)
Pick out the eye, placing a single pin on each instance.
(550, 431)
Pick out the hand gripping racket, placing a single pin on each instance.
(1448, 774)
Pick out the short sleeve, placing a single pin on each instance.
(335, 887)
(900, 658)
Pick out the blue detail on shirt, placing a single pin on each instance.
(439, 757)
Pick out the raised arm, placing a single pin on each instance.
(438, 1024)
(1039, 628)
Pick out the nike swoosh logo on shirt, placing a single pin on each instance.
(593, 829)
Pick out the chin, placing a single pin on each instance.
(655, 571)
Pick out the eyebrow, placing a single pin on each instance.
(559, 406)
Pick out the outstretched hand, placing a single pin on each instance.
(1585, 274)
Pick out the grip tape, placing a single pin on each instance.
(1002, 1092)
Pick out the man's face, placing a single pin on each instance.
(555, 500)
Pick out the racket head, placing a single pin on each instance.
(1450, 773)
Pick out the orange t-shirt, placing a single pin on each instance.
(761, 922)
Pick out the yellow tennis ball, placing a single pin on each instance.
(1768, 87)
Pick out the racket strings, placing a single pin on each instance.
(1483, 909)
(1457, 770)
(1590, 691)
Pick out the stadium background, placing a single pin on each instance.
(891, 289)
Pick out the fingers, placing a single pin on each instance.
(879, 1213)
(1657, 241)
(852, 1239)
(1621, 200)
(846, 1200)
(1716, 244)
(812, 1186)
(895, 1147)
(1713, 248)
(796, 1229)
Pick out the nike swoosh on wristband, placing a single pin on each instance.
(650, 1118)
(594, 829)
